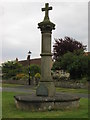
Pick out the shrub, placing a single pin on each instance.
(37, 75)
(63, 78)
(60, 75)
(33, 69)
(37, 78)
(76, 65)
(11, 69)
(21, 76)
(84, 79)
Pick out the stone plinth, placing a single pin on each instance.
(38, 103)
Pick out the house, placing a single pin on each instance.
(36, 61)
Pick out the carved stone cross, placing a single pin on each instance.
(46, 9)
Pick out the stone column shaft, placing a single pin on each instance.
(46, 43)
(46, 86)
(46, 55)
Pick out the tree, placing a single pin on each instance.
(11, 69)
(65, 45)
(76, 65)
(33, 70)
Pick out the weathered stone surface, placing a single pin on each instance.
(46, 86)
(46, 9)
(38, 103)
(42, 90)
(45, 89)
(46, 25)
(70, 84)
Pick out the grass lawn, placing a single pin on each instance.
(0, 84)
(9, 110)
(85, 91)
(10, 85)
(0, 104)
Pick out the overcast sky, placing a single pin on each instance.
(19, 20)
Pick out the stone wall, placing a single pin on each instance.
(21, 82)
(70, 84)
(63, 84)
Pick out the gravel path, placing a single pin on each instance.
(26, 89)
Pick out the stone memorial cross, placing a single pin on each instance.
(45, 97)
(46, 9)
(46, 86)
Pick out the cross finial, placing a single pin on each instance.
(46, 9)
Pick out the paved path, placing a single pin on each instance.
(28, 89)
(18, 90)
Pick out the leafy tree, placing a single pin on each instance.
(65, 45)
(11, 69)
(76, 65)
(33, 70)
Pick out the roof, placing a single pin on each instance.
(36, 61)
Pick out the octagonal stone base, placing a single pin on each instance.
(37, 103)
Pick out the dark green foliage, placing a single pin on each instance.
(76, 65)
(69, 56)
(56, 65)
(11, 69)
(65, 45)
(33, 70)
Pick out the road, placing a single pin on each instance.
(28, 90)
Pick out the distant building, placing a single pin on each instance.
(36, 61)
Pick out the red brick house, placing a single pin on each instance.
(36, 61)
